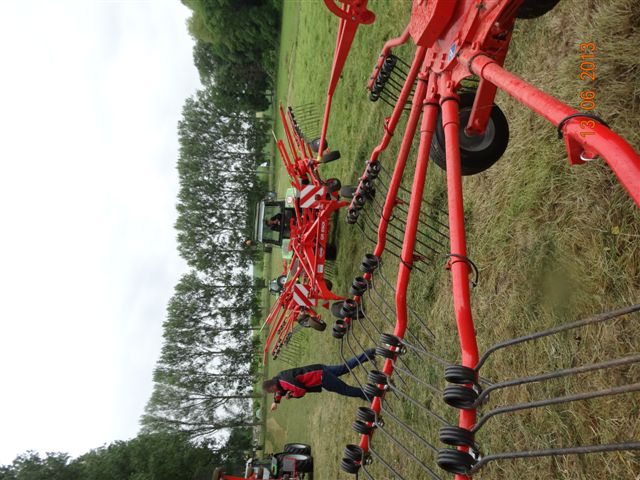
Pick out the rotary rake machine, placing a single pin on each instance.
(311, 203)
(448, 90)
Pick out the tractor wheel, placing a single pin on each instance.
(317, 324)
(217, 474)
(315, 144)
(330, 156)
(477, 152)
(304, 463)
(282, 280)
(331, 252)
(348, 191)
(299, 448)
(535, 8)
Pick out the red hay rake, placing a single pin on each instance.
(450, 84)
(315, 202)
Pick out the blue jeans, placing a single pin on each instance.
(330, 374)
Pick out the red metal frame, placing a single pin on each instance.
(309, 235)
(456, 40)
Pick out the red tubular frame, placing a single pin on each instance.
(455, 40)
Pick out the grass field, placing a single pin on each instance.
(553, 243)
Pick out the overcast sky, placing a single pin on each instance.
(90, 95)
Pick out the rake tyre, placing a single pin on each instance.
(331, 253)
(333, 185)
(314, 145)
(477, 152)
(330, 156)
(299, 448)
(535, 8)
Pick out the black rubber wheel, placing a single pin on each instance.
(299, 448)
(460, 397)
(304, 463)
(333, 185)
(330, 156)
(331, 253)
(217, 474)
(329, 284)
(477, 152)
(282, 280)
(317, 324)
(315, 144)
(455, 461)
(353, 452)
(535, 8)
(348, 191)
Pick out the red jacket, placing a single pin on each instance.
(295, 382)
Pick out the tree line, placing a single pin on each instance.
(203, 380)
(146, 457)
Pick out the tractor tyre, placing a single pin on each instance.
(299, 448)
(304, 463)
(330, 156)
(477, 152)
(348, 191)
(535, 8)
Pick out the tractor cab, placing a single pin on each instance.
(271, 209)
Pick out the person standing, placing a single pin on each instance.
(296, 382)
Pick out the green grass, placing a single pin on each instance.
(553, 242)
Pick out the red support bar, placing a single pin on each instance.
(459, 267)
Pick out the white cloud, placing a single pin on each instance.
(90, 94)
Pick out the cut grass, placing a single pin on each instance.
(553, 242)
